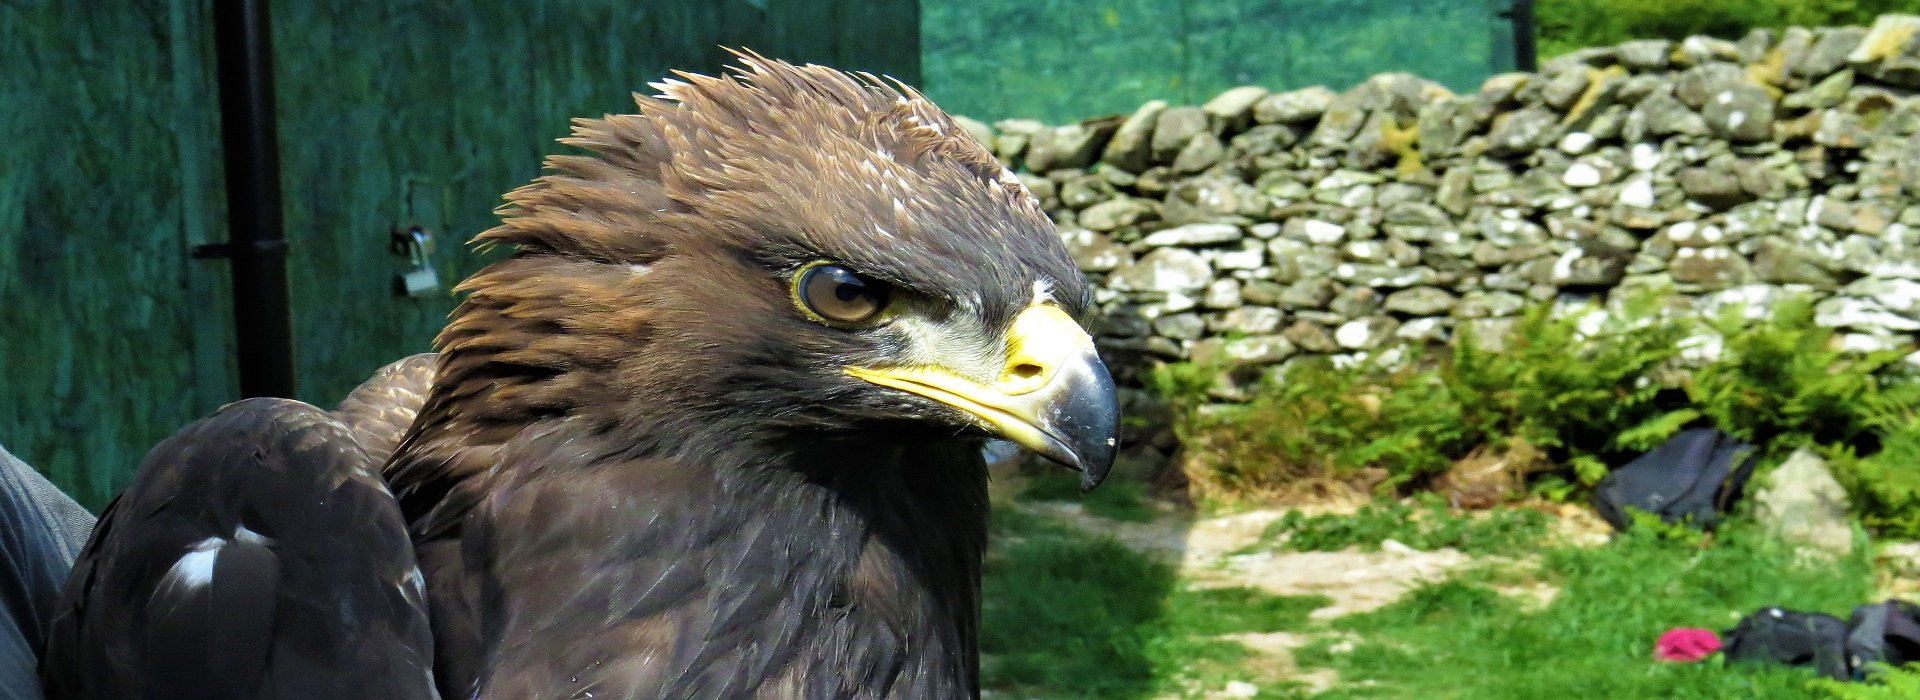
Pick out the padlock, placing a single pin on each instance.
(419, 283)
(421, 280)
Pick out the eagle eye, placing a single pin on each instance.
(835, 295)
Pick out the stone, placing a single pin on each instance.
(1582, 174)
(1421, 301)
(1782, 261)
(1213, 198)
(1521, 132)
(1249, 256)
(1257, 350)
(1645, 55)
(1564, 86)
(1897, 295)
(1194, 235)
(1174, 128)
(1311, 293)
(1264, 293)
(1638, 192)
(1164, 270)
(1485, 304)
(1579, 268)
(1293, 260)
(1662, 114)
(1576, 142)
(1743, 112)
(1291, 107)
(1702, 49)
(1250, 320)
(1804, 505)
(1860, 314)
(1339, 122)
(1715, 188)
(1354, 302)
(1124, 321)
(1691, 234)
(1445, 125)
(1456, 190)
(1070, 146)
(1222, 293)
(1829, 52)
(1313, 231)
(1011, 143)
(1234, 108)
(1697, 86)
(1491, 334)
(1423, 329)
(1181, 326)
(1201, 152)
(1712, 268)
(1826, 94)
(1382, 276)
(1118, 213)
(1887, 52)
(1082, 192)
(1365, 333)
(1311, 337)
(1094, 252)
(1130, 148)
(1042, 189)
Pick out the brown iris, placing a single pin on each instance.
(836, 295)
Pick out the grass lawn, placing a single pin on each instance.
(1073, 614)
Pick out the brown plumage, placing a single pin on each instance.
(714, 429)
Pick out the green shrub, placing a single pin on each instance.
(1321, 421)
(1551, 385)
(1580, 398)
(1887, 683)
(1567, 25)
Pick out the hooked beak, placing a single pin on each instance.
(1054, 395)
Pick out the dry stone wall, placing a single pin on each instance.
(1265, 226)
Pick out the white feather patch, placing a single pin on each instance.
(195, 568)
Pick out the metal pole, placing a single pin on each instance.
(1525, 57)
(256, 243)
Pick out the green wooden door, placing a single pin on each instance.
(391, 114)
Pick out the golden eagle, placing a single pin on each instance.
(712, 431)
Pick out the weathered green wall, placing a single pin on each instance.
(1065, 60)
(391, 114)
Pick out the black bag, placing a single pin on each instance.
(1886, 633)
(1776, 636)
(1691, 478)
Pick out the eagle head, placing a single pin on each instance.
(783, 255)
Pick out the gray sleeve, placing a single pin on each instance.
(41, 531)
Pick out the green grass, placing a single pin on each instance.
(1074, 615)
(1429, 525)
(1461, 639)
(1119, 499)
(1071, 615)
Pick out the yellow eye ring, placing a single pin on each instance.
(837, 296)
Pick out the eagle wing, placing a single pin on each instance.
(256, 554)
(381, 409)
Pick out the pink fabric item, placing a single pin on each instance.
(1686, 645)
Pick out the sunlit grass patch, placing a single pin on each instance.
(1461, 639)
(1118, 499)
(1072, 615)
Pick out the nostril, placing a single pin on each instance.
(1027, 370)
